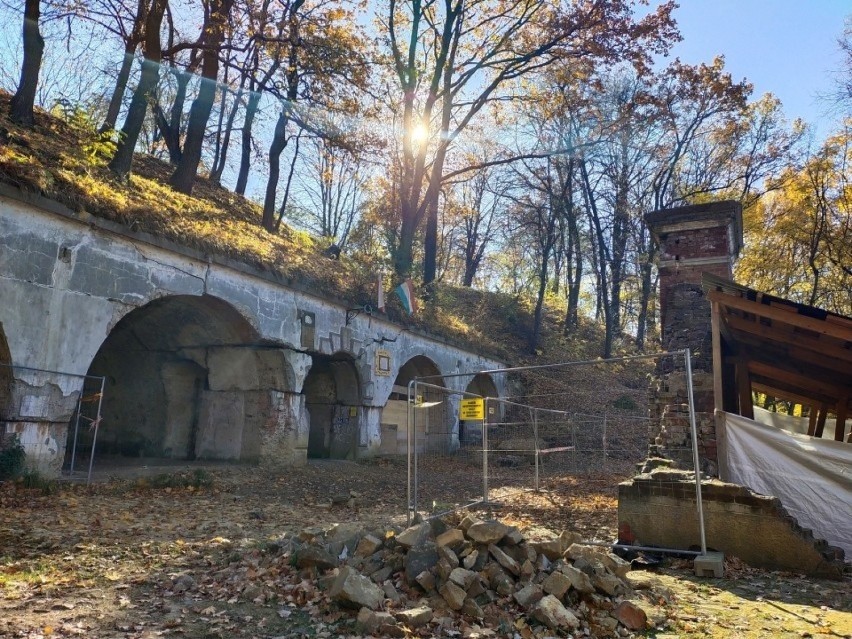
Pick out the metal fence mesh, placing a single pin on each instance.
(32, 397)
(566, 438)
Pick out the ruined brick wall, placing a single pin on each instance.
(659, 508)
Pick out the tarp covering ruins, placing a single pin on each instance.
(812, 477)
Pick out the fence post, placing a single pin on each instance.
(535, 439)
(485, 456)
(77, 426)
(695, 459)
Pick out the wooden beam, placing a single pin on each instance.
(840, 411)
(831, 350)
(812, 417)
(802, 381)
(785, 316)
(781, 391)
(823, 414)
(717, 357)
(744, 386)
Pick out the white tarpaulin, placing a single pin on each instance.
(812, 477)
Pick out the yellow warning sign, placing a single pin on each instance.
(472, 409)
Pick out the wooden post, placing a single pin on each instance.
(823, 413)
(744, 385)
(717, 356)
(840, 427)
(812, 419)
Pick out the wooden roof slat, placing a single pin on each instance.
(842, 331)
(797, 380)
(815, 347)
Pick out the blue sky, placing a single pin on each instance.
(786, 47)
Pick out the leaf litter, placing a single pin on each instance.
(137, 559)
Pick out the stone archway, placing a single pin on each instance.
(187, 377)
(470, 432)
(333, 398)
(435, 423)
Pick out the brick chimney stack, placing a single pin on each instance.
(703, 238)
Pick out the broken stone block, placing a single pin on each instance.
(463, 578)
(552, 549)
(476, 588)
(453, 595)
(514, 537)
(354, 590)
(344, 532)
(467, 522)
(528, 596)
(418, 559)
(391, 592)
(443, 569)
(414, 536)
(380, 575)
(470, 560)
(367, 546)
(453, 538)
(472, 609)
(370, 620)
(617, 565)
(504, 560)
(426, 580)
(580, 581)
(606, 582)
(448, 555)
(487, 532)
(315, 557)
(527, 570)
(556, 584)
(415, 617)
(554, 615)
(630, 615)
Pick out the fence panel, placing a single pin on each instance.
(575, 432)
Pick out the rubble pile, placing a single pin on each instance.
(482, 572)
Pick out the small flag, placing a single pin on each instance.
(406, 294)
(380, 292)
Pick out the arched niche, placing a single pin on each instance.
(434, 415)
(470, 431)
(187, 377)
(333, 400)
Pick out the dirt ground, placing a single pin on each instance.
(156, 551)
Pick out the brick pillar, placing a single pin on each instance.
(692, 240)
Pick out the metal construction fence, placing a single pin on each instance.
(563, 436)
(32, 399)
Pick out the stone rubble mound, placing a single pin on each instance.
(434, 575)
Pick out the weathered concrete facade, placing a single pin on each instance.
(692, 240)
(203, 357)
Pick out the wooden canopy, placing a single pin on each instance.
(787, 350)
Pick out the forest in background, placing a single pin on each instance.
(503, 145)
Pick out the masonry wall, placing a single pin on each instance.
(67, 280)
(659, 509)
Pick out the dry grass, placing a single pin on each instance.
(65, 161)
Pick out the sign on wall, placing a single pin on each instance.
(382, 365)
(472, 409)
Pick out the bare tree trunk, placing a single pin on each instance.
(123, 159)
(245, 146)
(276, 148)
(183, 179)
(222, 148)
(119, 89)
(23, 102)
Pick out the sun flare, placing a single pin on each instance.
(419, 133)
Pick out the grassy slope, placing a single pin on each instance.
(56, 160)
